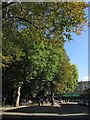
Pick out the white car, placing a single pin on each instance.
(26, 103)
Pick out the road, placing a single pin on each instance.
(67, 111)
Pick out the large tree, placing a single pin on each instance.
(33, 39)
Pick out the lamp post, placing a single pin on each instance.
(81, 88)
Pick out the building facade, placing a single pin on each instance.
(83, 85)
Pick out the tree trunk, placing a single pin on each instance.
(52, 94)
(52, 98)
(14, 98)
(18, 96)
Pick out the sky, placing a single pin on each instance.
(77, 50)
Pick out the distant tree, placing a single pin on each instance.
(63, 73)
(73, 79)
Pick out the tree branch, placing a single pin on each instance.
(23, 19)
(5, 4)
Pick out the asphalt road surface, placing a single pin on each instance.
(67, 111)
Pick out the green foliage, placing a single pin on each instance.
(62, 76)
(73, 79)
(56, 17)
(33, 45)
(51, 20)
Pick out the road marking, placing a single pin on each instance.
(42, 114)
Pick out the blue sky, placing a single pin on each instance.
(77, 51)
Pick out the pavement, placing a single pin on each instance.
(5, 108)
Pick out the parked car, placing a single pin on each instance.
(26, 103)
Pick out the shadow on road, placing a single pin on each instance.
(64, 112)
(63, 109)
(43, 118)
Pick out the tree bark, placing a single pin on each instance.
(52, 98)
(18, 96)
(52, 94)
